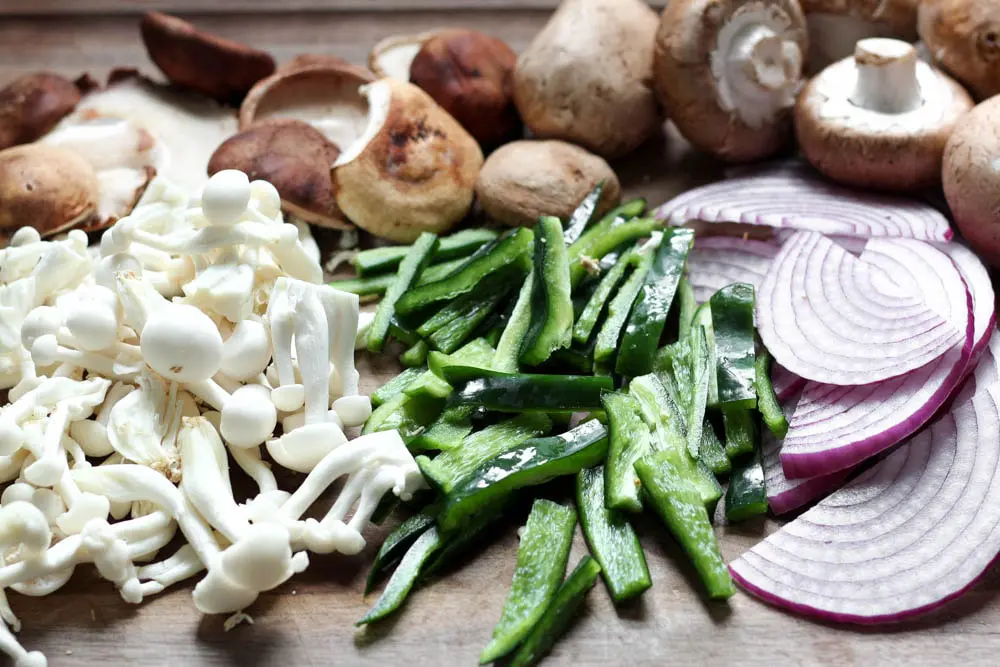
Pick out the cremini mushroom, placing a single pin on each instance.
(880, 119)
(586, 77)
(727, 73)
(964, 37)
(219, 68)
(971, 179)
(50, 188)
(31, 105)
(835, 26)
(525, 179)
(467, 72)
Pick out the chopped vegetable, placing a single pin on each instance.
(703, 319)
(732, 323)
(457, 245)
(417, 258)
(688, 306)
(592, 311)
(583, 215)
(396, 545)
(551, 307)
(415, 355)
(395, 386)
(614, 218)
(618, 311)
(746, 496)
(445, 434)
(507, 392)
(450, 336)
(711, 452)
(405, 577)
(602, 245)
(702, 373)
(516, 331)
(741, 432)
(377, 285)
(630, 440)
(767, 402)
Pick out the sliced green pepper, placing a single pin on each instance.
(712, 453)
(506, 392)
(512, 249)
(402, 333)
(533, 462)
(703, 318)
(406, 414)
(396, 545)
(514, 334)
(377, 285)
(403, 579)
(681, 508)
(732, 322)
(415, 355)
(551, 306)
(449, 337)
(445, 434)
(630, 440)
(741, 431)
(648, 317)
(702, 373)
(428, 385)
(587, 320)
(746, 496)
(557, 617)
(583, 214)
(688, 306)
(541, 564)
(614, 218)
(457, 245)
(618, 311)
(616, 236)
(767, 400)
(477, 353)
(395, 386)
(417, 257)
(611, 539)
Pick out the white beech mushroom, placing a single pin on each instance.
(964, 37)
(835, 26)
(879, 119)
(727, 73)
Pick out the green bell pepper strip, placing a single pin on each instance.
(514, 334)
(417, 258)
(511, 249)
(703, 318)
(558, 616)
(741, 431)
(407, 414)
(456, 246)
(505, 392)
(587, 320)
(616, 236)
(767, 400)
(711, 453)
(428, 385)
(613, 218)
(457, 544)
(611, 539)
(403, 334)
(541, 564)
(701, 377)
(395, 386)
(580, 361)
(451, 467)
(477, 353)
(445, 434)
(405, 577)
(583, 214)
(618, 311)
(732, 321)
(551, 305)
(415, 355)
(449, 337)
(396, 545)
(746, 496)
(648, 317)
(534, 462)
(681, 508)
(688, 306)
(377, 285)
(630, 440)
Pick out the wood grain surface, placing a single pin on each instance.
(309, 621)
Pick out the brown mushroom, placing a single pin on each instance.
(835, 26)
(31, 105)
(964, 38)
(727, 73)
(219, 68)
(880, 119)
(467, 72)
(317, 59)
(971, 178)
(586, 78)
(46, 187)
(523, 180)
(295, 158)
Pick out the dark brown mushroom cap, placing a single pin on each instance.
(31, 105)
(964, 37)
(900, 15)
(218, 68)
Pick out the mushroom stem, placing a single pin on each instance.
(887, 76)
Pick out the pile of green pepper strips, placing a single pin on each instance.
(508, 336)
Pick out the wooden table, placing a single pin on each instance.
(309, 621)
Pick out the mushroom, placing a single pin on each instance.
(467, 72)
(728, 72)
(835, 26)
(50, 188)
(219, 68)
(971, 179)
(586, 77)
(31, 105)
(964, 37)
(880, 119)
(525, 179)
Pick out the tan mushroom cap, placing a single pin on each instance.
(31, 105)
(295, 158)
(964, 37)
(749, 117)
(972, 181)
(900, 15)
(523, 180)
(413, 170)
(49, 188)
(219, 68)
(880, 119)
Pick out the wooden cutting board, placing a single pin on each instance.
(309, 621)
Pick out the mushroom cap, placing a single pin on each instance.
(586, 76)
(971, 179)
(687, 87)
(49, 188)
(294, 157)
(219, 68)
(413, 169)
(322, 60)
(870, 149)
(899, 15)
(391, 57)
(964, 37)
(525, 179)
(31, 105)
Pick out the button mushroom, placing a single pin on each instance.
(835, 26)
(586, 77)
(880, 119)
(964, 37)
(31, 105)
(467, 72)
(727, 73)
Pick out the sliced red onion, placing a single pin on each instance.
(837, 427)
(784, 382)
(977, 279)
(907, 535)
(784, 494)
(831, 318)
(717, 261)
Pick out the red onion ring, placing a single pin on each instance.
(783, 494)
(717, 261)
(977, 278)
(785, 383)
